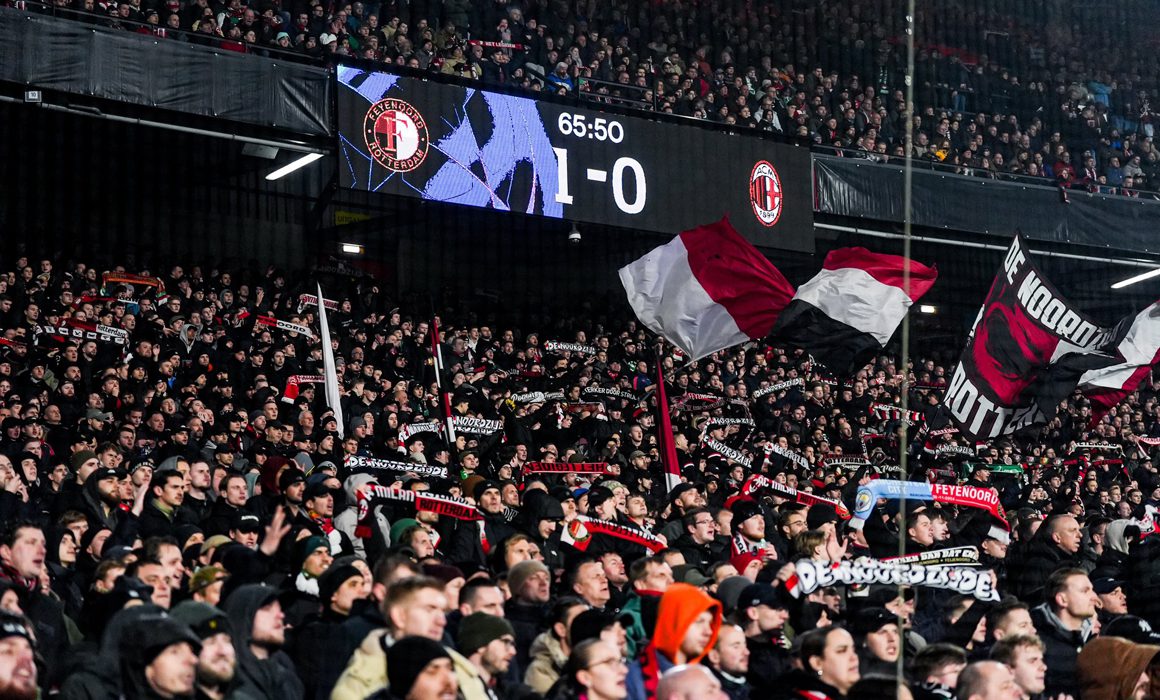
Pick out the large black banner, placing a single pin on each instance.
(1026, 353)
(462, 145)
(863, 189)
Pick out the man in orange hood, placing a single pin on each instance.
(688, 620)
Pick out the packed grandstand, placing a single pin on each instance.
(167, 446)
(1046, 91)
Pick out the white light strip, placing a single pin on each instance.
(294, 165)
(352, 248)
(1138, 278)
(984, 246)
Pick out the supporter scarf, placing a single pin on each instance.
(578, 533)
(406, 431)
(884, 411)
(12, 575)
(1098, 446)
(1008, 469)
(787, 384)
(476, 426)
(582, 407)
(483, 542)
(290, 395)
(424, 501)
(811, 575)
(785, 452)
(557, 346)
(285, 326)
(943, 431)
(709, 401)
(953, 451)
(1150, 442)
(728, 452)
(614, 393)
(950, 556)
(307, 300)
(497, 45)
(537, 397)
(83, 330)
(759, 481)
(740, 545)
(566, 468)
(847, 462)
(359, 464)
(747, 422)
(134, 280)
(971, 496)
(13, 344)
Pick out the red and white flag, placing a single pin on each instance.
(848, 311)
(706, 290)
(1140, 349)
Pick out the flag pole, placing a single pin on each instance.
(665, 430)
(329, 370)
(445, 397)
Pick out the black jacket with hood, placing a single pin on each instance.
(273, 678)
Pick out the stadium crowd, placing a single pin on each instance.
(182, 515)
(1038, 90)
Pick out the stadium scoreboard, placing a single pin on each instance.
(464, 145)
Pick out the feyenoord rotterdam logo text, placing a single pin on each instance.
(396, 135)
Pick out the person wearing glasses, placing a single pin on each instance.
(489, 643)
(596, 670)
(700, 542)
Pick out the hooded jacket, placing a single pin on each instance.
(1061, 647)
(679, 608)
(99, 677)
(1108, 667)
(347, 520)
(273, 678)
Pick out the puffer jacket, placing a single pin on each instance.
(366, 673)
(548, 660)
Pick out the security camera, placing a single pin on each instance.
(574, 235)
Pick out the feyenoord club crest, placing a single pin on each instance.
(396, 135)
(765, 193)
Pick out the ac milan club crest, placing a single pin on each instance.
(765, 193)
(396, 135)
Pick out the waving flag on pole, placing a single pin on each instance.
(847, 313)
(329, 371)
(1139, 348)
(706, 290)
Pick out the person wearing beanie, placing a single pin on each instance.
(311, 559)
(17, 657)
(530, 584)
(687, 623)
(420, 669)
(1112, 668)
(748, 528)
(338, 589)
(477, 544)
(158, 659)
(489, 643)
(217, 660)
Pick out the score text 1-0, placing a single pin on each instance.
(600, 129)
